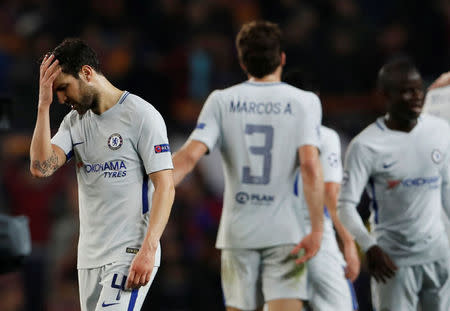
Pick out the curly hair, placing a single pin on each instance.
(74, 53)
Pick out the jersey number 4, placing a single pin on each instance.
(264, 151)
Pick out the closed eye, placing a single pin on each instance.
(60, 88)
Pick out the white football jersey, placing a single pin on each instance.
(114, 153)
(403, 174)
(258, 128)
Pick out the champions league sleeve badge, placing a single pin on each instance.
(162, 148)
(436, 156)
(115, 141)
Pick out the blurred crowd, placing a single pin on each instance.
(173, 53)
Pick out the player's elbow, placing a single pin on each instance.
(36, 173)
(311, 169)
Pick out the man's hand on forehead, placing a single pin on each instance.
(48, 72)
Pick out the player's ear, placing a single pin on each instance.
(283, 59)
(243, 66)
(87, 73)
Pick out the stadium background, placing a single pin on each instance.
(173, 53)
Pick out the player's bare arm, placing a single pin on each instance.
(349, 248)
(313, 189)
(443, 80)
(45, 157)
(186, 158)
(142, 266)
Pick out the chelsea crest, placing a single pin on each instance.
(115, 141)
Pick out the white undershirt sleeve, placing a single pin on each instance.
(350, 218)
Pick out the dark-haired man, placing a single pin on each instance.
(264, 128)
(403, 161)
(120, 146)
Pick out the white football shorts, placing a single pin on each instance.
(251, 277)
(103, 289)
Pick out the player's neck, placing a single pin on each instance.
(399, 124)
(272, 77)
(109, 95)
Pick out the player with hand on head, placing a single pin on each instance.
(263, 128)
(124, 171)
(404, 166)
(328, 287)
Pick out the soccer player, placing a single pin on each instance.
(124, 170)
(328, 288)
(263, 128)
(403, 161)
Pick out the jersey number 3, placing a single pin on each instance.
(264, 151)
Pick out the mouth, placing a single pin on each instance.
(416, 107)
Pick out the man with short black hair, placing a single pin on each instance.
(124, 172)
(404, 166)
(264, 128)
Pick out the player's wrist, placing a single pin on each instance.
(317, 232)
(347, 239)
(151, 246)
(43, 107)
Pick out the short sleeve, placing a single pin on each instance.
(311, 119)
(330, 157)
(153, 144)
(208, 130)
(357, 171)
(63, 138)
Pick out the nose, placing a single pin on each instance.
(61, 97)
(418, 94)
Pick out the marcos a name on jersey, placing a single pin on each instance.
(260, 108)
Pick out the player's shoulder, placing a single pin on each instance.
(434, 122)
(138, 107)
(297, 91)
(72, 118)
(373, 132)
(329, 139)
(328, 133)
(370, 138)
(299, 94)
(281, 87)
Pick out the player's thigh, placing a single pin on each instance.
(241, 281)
(328, 289)
(281, 277)
(113, 296)
(398, 293)
(435, 293)
(89, 287)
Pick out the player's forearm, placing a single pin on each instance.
(186, 158)
(352, 221)
(313, 189)
(162, 201)
(183, 164)
(43, 159)
(342, 232)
